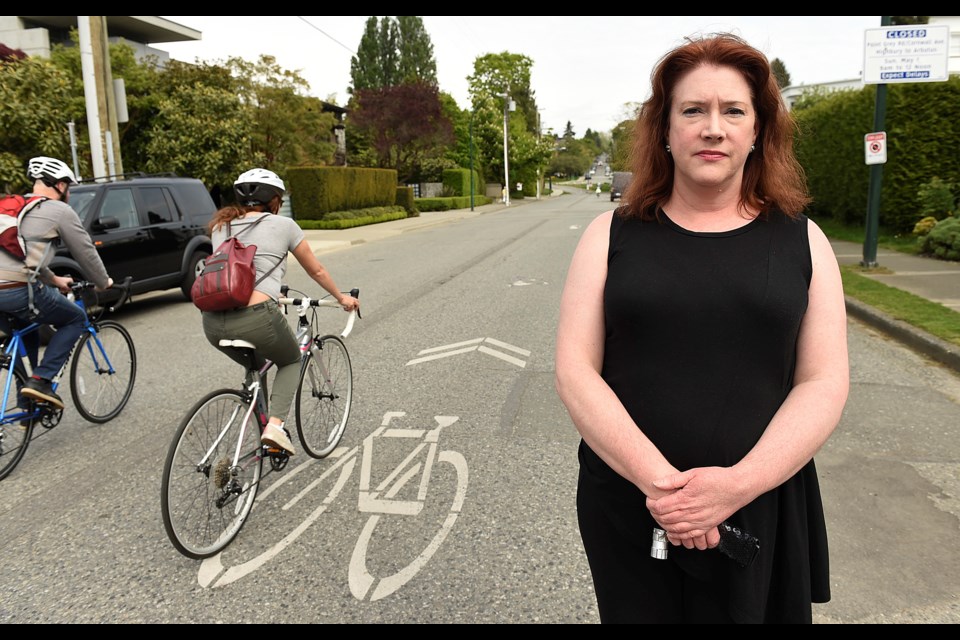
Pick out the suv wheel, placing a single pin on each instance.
(194, 267)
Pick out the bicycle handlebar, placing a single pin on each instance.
(123, 287)
(305, 302)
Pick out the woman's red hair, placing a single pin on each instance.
(772, 177)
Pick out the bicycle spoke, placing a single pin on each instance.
(103, 372)
(206, 503)
(324, 396)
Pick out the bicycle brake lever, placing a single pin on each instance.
(355, 293)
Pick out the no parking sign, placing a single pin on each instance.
(875, 146)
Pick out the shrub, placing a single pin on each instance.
(406, 200)
(943, 241)
(923, 227)
(937, 198)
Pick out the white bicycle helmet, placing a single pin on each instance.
(258, 186)
(50, 170)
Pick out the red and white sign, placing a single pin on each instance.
(875, 147)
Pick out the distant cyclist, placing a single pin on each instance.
(261, 322)
(31, 292)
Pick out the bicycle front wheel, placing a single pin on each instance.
(103, 371)
(208, 483)
(16, 425)
(324, 396)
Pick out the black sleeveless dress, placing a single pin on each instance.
(701, 336)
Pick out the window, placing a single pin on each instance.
(155, 202)
(118, 203)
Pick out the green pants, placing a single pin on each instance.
(265, 326)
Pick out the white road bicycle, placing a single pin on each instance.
(213, 467)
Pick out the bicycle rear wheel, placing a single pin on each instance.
(206, 495)
(103, 371)
(16, 426)
(324, 396)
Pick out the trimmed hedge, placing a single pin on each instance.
(406, 200)
(357, 218)
(315, 192)
(922, 126)
(457, 182)
(445, 204)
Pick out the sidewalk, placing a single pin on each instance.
(323, 241)
(935, 280)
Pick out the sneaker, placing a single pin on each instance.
(42, 391)
(276, 436)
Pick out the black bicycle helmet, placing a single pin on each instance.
(258, 186)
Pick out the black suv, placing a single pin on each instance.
(150, 227)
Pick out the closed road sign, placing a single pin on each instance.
(875, 146)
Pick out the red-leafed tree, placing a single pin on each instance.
(9, 55)
(404, 125)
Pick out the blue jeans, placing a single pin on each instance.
(53, 308)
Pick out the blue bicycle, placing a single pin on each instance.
(103, 368)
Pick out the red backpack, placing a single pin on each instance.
(228, 277)
(12, 210)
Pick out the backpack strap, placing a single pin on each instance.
(247, 228)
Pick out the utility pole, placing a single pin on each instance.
(90, 93)
(100, 98)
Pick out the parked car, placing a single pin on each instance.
(619, 183)
(150, 227)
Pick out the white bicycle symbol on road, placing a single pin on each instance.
(378, 501)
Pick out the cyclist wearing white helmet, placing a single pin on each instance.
(259, 196)
(29, 289)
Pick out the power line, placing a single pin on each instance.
(328, 35)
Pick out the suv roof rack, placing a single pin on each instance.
(132, 174)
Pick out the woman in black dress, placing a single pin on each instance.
(702, 356)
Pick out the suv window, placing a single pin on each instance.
(152, 228)
(118, 203)
(156, 205)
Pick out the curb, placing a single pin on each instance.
(934, 348)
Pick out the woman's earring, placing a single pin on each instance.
(753, 148)
(668, 148)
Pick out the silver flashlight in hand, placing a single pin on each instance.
(658, 549)
(739, 546)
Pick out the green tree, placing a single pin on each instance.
(376, 62)
(36, 103)
(780, 72)
(416, 61)
(498, 78)
(199, 131)
(620, 145)
(288, 127)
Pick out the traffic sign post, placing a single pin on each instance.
(906, 53)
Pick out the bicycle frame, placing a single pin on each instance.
(256, 402)
(16, 353)
(15, 350)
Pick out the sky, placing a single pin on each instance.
(586, 70)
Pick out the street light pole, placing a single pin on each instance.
(471, 160)
(506, 161)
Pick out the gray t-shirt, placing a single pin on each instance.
(47, 221)
(274, 238)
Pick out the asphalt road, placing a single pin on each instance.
(457, 338)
